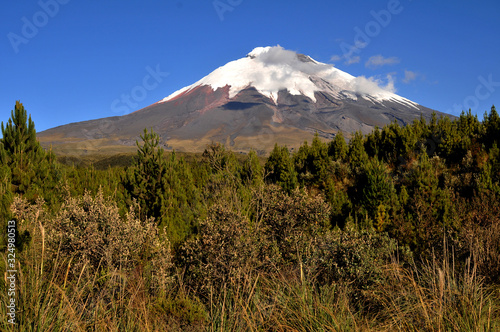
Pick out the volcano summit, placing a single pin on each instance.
(270, 96)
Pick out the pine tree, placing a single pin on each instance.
(164, 188)
(182, 200)
(377, 190)
(25, 168)
(20, 150)
(372, 144)
(492, 127)
(224, 179)
(494, 160)
(252, 172)
(144, 179)
(318, 159)
(356, 154)
(312, 163)
(279, 168)
(337, 148)
(390, 142)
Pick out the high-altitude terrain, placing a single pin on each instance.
(270, 96)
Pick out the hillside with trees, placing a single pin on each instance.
(395, 230)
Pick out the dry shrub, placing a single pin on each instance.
(480, 233)
(354, 257)
(227, 250)
(293, 222)
(230, 246)
(89, 233)
(67, 282)
(356, 260)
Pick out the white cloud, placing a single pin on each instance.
(378, 61)
(336, 58)
(353, 59)
(284, 63)
(349, 59)
(278, 56)
(372, 85)
(360, 44)
(410, 76)
(390, 83)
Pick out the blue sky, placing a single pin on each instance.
(75, 60)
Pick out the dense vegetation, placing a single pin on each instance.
(395, 230)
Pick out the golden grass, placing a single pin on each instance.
(57, 294)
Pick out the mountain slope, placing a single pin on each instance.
(272, 95)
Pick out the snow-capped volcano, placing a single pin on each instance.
(270, 96)
(272, 69)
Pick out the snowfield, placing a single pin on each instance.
(271, 69)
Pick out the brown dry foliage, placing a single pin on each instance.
(480, 233)
(282, 231)
(89, 232)
(227, 251)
